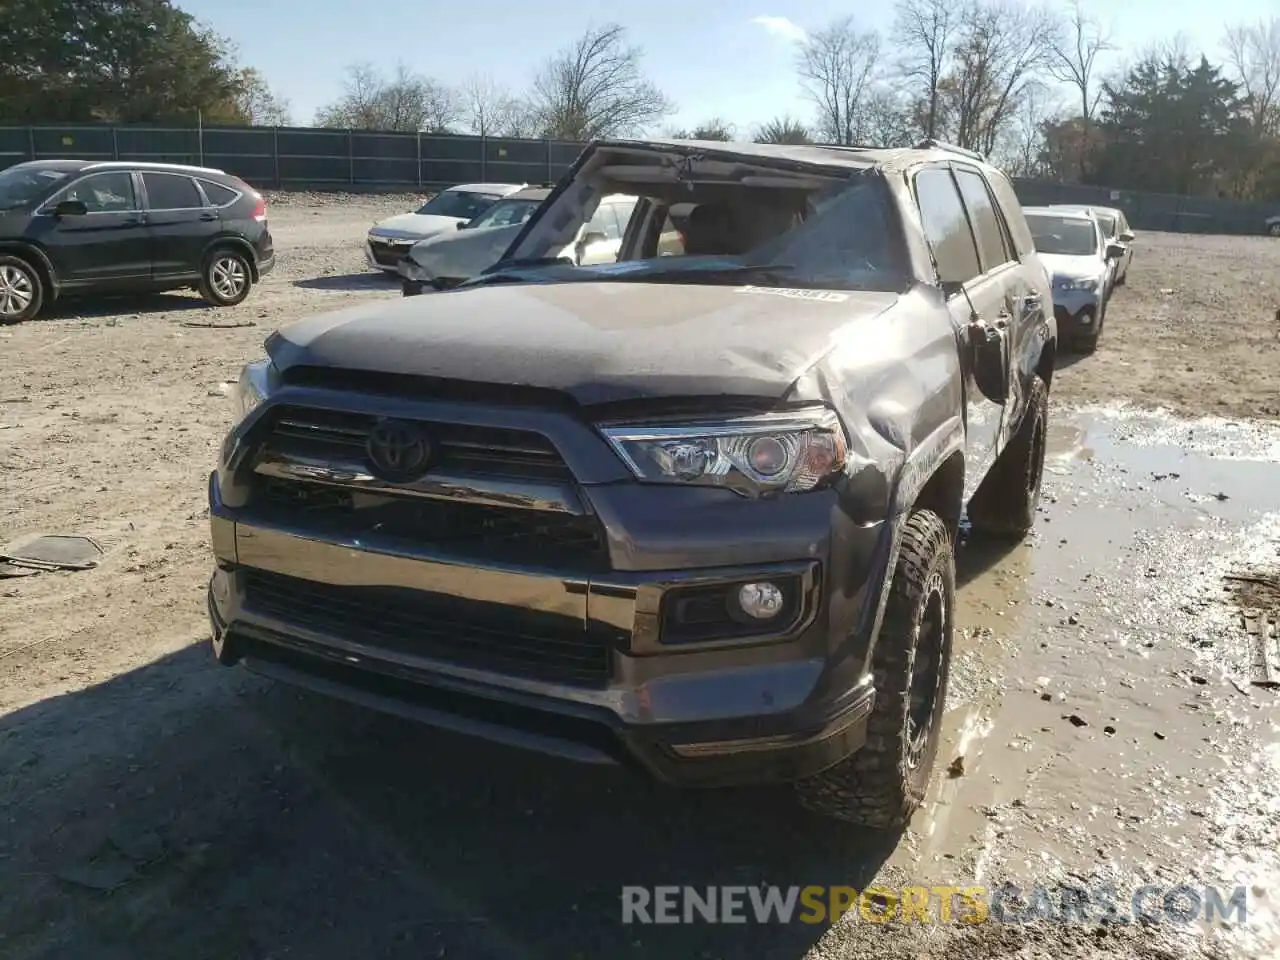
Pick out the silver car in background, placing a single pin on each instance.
(1081, 263)
(446, 260)
(1116, 229)
(389, 240)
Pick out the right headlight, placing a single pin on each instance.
(252, 388)
(785, 452)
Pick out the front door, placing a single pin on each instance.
(107, 243)
(181, 225)
(976, 305)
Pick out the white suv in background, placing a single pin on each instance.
(447, 259)
(390, 239)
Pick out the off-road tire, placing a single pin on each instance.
(1005, 503)
(18, 278)
(216, 284)
(882, 784)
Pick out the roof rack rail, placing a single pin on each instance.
(931, 144)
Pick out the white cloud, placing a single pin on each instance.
(782, 27)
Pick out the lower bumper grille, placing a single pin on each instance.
(507, 640)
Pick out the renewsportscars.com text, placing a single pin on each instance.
(933, 904)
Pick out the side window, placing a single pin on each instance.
(604, 221)
(104, 192)
(623, 212)
(945, 226)
(986, 223)
(167, 191)
(219, 196)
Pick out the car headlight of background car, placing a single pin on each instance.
(1089, 284)
(788, 452)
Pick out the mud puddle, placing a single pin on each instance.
(1102, 723)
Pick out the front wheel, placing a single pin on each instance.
(1274, 229)
(226, 278)
(883, 784)
(1004, 505)
(21, 292)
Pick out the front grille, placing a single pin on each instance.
(459, 529)
(408, 622)
(478, 451)
(387, 255)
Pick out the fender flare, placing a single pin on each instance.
(920, 466)
(42, 262)
(240, 245)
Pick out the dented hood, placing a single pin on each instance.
(597, 342)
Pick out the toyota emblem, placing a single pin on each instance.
(399, 451)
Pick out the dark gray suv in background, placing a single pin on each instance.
(694, 510)
(79, 228)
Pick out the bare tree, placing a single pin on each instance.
(924, 30)
(713, 129)
(258, 103)
(1024, 149)
(835, 66)
(1073, 57)
(783, 129)
(1001, 49)
(489, 110)
(1253, 62)
(595, 87)
(405, 102)
(883, 119)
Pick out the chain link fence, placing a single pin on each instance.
(283, 157)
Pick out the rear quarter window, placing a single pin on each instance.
(219, 196)
(1005, 196)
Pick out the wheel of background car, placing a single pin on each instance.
(21, 292)
(226, 278)
(882, 784)
(1275, 230)
(1004, 505)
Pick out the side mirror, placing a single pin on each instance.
(70, 208)
(1114, 251)
(1126, 237)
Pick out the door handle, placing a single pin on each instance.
(207, 217)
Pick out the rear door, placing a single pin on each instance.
(179, 223)
(979, 305)
(108, 243)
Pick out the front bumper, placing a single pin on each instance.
(1077, 312)
(714, 711)
(385, 253)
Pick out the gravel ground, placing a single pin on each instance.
(230, 818)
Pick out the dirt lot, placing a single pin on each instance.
(157, 805)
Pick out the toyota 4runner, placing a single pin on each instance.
(693, 510)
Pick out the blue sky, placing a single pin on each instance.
(713, 57)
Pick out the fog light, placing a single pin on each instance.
(760, 600)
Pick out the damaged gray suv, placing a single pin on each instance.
(694, 510)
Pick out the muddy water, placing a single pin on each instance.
(1101, 701)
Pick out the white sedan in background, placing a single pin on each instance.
(390, 239)
(447, 259)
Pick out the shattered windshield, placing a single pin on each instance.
(842, 237)
(1068, 236)
(20, 187)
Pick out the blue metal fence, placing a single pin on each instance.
(303, 156)
(284, 157)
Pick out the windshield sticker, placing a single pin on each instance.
(825, 296)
